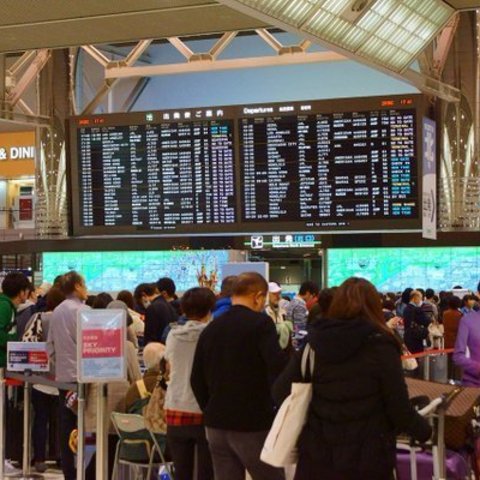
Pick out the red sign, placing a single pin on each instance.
(101, 343)
(26, 208)
(38, 357)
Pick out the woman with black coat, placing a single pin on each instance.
(360, 399)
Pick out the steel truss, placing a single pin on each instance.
(427, 81)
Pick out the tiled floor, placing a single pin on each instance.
(50, 474)
(53, 475)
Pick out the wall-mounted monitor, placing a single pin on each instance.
(312, 166)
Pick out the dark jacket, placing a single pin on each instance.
(22, 319)
(413, 314)
(157, 316)
(360, 402)
(236, 361)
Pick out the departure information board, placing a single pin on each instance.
(329, 169)
(343, 165)
(157, 176)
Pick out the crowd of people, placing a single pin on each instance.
(226, 362)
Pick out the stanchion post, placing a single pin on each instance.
(426, 367)
(441, 445)
(102, 425)
(81, 432)
(26, 429)
(2, 420)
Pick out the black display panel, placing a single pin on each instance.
(343, 165)
(157, 176)
(329, 169)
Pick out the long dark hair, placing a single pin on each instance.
(358, 298)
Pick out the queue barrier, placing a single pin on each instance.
(427, 356)
(28, 379)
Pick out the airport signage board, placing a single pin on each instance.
(429, 197)
(101, 345)
(28, 356)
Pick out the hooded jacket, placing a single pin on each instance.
(8, 330)
(223, 304)
(360, 401)
(180, 349)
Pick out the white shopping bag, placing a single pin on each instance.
(280, 447)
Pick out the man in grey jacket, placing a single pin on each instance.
(62, 347)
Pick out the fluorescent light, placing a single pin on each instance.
(389, 33)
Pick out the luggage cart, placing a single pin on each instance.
(435, 411)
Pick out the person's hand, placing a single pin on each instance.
(394, 322)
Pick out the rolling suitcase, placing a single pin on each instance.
(438, 363)
(456, 463)
(439, 368)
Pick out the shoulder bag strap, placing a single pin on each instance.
(308, 357)
(142, 390)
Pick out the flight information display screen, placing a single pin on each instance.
(343, 165)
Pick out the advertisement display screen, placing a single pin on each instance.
(394, 269)
(115, 271)
(330, 165)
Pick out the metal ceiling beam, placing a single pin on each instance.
(25, 59)
(120, 53)
(30, 74)
(222, 44)
(181, 47)
(24, 119)
(109, 83)
(269, 39)
(137, 52)
(96, 54)
(22, 105)
(432, 86)
(295, 58)
(442, 45)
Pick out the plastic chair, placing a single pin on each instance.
(136, 446)
(160, 441)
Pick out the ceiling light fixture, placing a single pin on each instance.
(387, 33)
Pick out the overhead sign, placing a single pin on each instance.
(296, 240)
(32, 356)
(101, 341)
(429, 197)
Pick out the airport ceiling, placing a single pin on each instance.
(62, 23)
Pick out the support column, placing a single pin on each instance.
(54, 102)
(459, 128)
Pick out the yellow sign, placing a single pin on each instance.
(17, 154)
